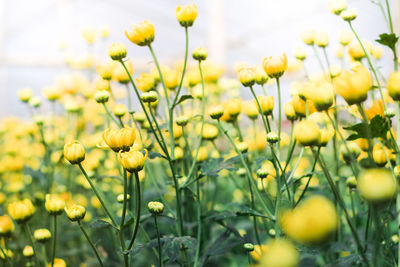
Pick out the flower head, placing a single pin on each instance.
(186, 14)
(274, 67)
(21, 211)
(141, 34)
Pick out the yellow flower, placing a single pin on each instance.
(377, 185)
(200, 53)
(74, 152)
(308, 36)
(279, 253)
(311, 222)
(232, 109)
(155, 207)
(120, 110)
(210, 132)
(54, 204)
(353, 86)
(381, 155)
(247, 76)
(393, 85)
(274, 67)
(145, 82)
(6, 225)
(28, 251)
(133, 160)
(106, 70)
(141, 34)
(266, 104)
(117, 51)
(42, 235)
(349, 14)
(261, 76)
(25, 94)
(75, 212)
(320, 93)
(322, 39)
(58, 263)
(216, 112)
(289, 111)
(251, 109)
(21, 211)
(186, 14)
(345, 37)
(52, 93)
(258, 251)
(89, 35)
(119, 139)
(307, 133)
(337, 6)
(300, 53)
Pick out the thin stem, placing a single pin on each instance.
(160, 262)
(53, 255)
(103, 204)
(121, 226)
(29, 234)
(318, 57)
(343, 207)
(138, 206)
(199, 225)
(248, 172)
(279, 112)
(184, 68)
(91, 243)
(370, 65)
(110, 115)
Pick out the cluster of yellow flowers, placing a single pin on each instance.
(227, 180)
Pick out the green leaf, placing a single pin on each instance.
(174, 245)
(183, 98)
(388, 40)
(378, 127)
(212, 167)
(99, 224)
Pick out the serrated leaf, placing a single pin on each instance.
(388, 40)
(378, 129)
(183, 98)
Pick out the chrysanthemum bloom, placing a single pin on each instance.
(141, 34)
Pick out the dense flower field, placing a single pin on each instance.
(171, 167)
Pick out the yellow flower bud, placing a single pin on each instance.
(356, 51)
(321, 94)
(349, 14)
(21, 211)
(200, 54)
(381, 155)
(353, 86)
(133, 160)
(178, 153)
(274, 67)
(75, 212)
(251, 109)
(42, 235)
(311, 222)
(25, 94)
(247, 76)
(145, 82)
(307, 133)
(337, 6)
(171, 79)
(377, 51)
(266, 104)
(322, 39)
(105, 70)
(28, 251)
(349, 151)
(210, 132)
(186, 14)
(377, 185)
(300, 53)
(203, 154)
(6, 225)
(117, 51)
(52, 93)
(232, 109)
(54, 204)
(393, 85)
(216, 112)
(120, 110)
(58, 263)
(345, 37)
(280, 252)
(102, 96)
(289, 111)
(120, 198)
(74, 152)
(261, 76)
(308, 36)
(155, 207)
(141, 34)
(119, 139)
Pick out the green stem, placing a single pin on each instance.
(368, 130)
(121, 226)
(248, 172)
(160, 262)
(29, 234)
(91, 243)
(370, 65)
(110, 115)
(53, 255)
(343, 207)
(318, 57)
(138, 206)
(103, 204)
(199, 225)
(279, 112)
